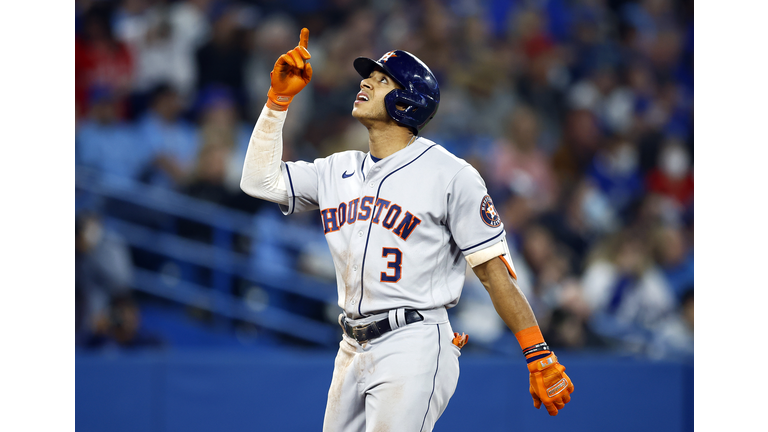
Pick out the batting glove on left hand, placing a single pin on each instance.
(549, 384)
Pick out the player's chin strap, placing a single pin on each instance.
(397, 318)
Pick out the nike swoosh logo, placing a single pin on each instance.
(345, 175)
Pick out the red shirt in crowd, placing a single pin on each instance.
(681, 190)
(101, 64)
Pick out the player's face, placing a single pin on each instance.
(369, 102)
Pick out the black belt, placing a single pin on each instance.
(372, 330)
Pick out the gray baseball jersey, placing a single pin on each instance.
(398, 229)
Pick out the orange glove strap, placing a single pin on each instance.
(543, 363)
(278, 102)
(532, 343)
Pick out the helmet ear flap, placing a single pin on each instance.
(410, 98)
(412, 101)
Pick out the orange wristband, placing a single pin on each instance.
(532, 343)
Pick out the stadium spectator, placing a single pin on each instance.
(106, 143)
(208, 180)
(580, 140)
(121, 328)
(627, 293)
(219, 120)
(675, 257)
(516, 213)
(162, 57)
(482, 90)
(616, 172)
(581, 217)
(568, 331)
(221, 61)
(674, 340)
(673, 176)
(103, 271)
(190, 24)
(131, 20)
(101, 61)
(547, 264)
(189, 30)
(517, 163)
(172, 140)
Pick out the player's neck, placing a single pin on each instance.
(387, 141)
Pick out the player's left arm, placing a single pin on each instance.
(508, 300)
(477, 229)
(549, 384)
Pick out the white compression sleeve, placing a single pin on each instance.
(262, 176)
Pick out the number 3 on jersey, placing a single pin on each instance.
(396, 264)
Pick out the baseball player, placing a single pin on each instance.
(402, 221)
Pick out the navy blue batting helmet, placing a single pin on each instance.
(420, 94)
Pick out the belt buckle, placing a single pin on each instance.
(359, 333)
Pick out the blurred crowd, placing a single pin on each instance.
(577, 113)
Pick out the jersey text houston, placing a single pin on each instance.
(348, 213)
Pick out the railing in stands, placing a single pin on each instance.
(150, 225)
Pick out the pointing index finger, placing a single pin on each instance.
(304, 38)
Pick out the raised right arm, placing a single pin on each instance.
(262, 175)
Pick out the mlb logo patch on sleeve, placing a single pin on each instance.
(488, 212)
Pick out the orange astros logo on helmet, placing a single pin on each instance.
(488, 212)
(386, 56)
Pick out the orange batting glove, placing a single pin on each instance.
(549, 384)
(289, 76)
(460, 339)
